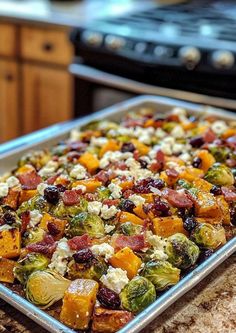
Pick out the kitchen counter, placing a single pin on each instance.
(210, 308)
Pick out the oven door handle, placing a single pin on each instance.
(98, 76)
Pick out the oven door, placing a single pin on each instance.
(96, 89)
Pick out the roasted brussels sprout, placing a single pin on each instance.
(138, 294)
(36, 203)
(38, 159)
(32, 236)
(61, 210)
(181, 251)
(86, 223)
(90, 270)
(219, 174)
(46, 287)
(188, 186)
(32, 262)
(220, 153)
(161, 273)
(130, 229)
(103, 193)
(208, 236)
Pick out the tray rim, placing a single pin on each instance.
(29, 141)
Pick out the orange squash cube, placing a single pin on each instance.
(78, 303)
(89, 161)
(111, 145)
(168, 225)
(6, 270)
(207, 159)
(141, 147)
(207, 206)
(59, 225)
(11, 199)
(90, 184)
(10, 243)
(25, 169)
(26, 195)
(126, 260)
(138, 210)
(129, 217)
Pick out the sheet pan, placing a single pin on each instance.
(13, 150)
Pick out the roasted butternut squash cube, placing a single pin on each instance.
(109, 321)
(89, 161)
(10, 243)
(78, 303)
(148, 197)
(202, 185)
(90, 184)
(168, 225)
(141, 147)
(12, 198)
(24, 169)
(138, 210)
(191, 174)
(56, 224)
(25, 195)
(111, 145)
(6, 270)
(207, 159)
(129, 217)
(125, 185)
(207, 206)
(126, 260)
(224, 207)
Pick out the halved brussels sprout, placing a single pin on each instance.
(33, 235)
(91, 270)
(219, 174)
(130, 229)
(138, 294)
(86, 223)
(38, 159)
(103, 193)
(208, 236)
(181, 251)
(46, 287)
(36, 203)
(30, 263)
(60, 210)
(161, 273)
(220, 153)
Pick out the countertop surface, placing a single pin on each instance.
(208, 308)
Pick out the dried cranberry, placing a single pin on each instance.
(144, 185)
(190, 223)
(51, 194)
(205, 254)
(108, 298)
(83, 256)
(196, 142)
(197, 161)
(127, 147)
(161, 206)
(127, 206)
(143, 163)
(53, 229)
(8, 218)
(216, 190)
(61, 188)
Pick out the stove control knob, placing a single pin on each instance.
(190, 56)
(222, 59)
(92, 38)
(114, 43)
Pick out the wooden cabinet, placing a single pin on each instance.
(47, 96)
(8, 39)
(9, 100)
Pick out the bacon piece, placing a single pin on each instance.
(47, 246)
(111, 202)
(229, 193)
(30, 180)
(172, 173)
(209, 136)
(25, 218)
(103, 176)
(177, 198)
(160, 160)
(136, 242)
(52, 179)
(70, 197)
(79, 242)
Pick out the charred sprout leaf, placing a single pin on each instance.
(46, 287)
(138, 294)
(219, 174)
(90, 270)
(63, 211)
(32, 236)
(208, 236)
(161, 273)
(36, 203)
(130, 229)
(32, 262)
(220, 153)
(86, 223)
(181, 251)
(103, 193)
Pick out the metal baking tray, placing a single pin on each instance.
(9, 154)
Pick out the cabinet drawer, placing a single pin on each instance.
(52, 46)
(7, 39)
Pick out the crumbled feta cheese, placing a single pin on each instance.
(5, 227)
(115, 279)
(81, 188)
(94, 207)
(160, 133)
(135, 169)
(219, 127)
(12, 181)
(108, 212)
(60, 256)
(186, 157)
(112, 157)
(99, 142)
(108, 228)
(75, 135)
(137, 199)
(181, 113)
(3, 190)
(41, 187)
(105, 250)
(48, 169)
(158, 245)
(178, 132)
(177, 148)
(35, 218)
(78, 172)
(116, 190)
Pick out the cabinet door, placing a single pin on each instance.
(9, 100)
(47, 96)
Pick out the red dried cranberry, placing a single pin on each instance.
(53, 229)
(8, 218)
(108, 298)
(205, 254)
(51, 194)
(143, 163)
(127, 206)
(196, 142)
(83, 256)
(127, 147)
(190, 223)
(61, 188)
(216, 190)
(197, 161)
(144, 185)
(161, 206)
